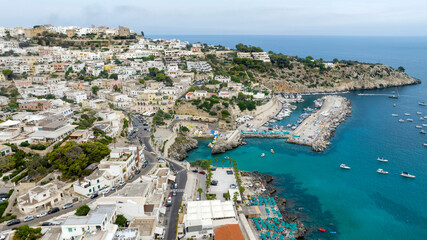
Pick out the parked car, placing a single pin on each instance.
(174, 193)
(13, 222)
(114, 188)
(122, 183)
(229, 172)
(233, 186)
(131, 177)
(95, 195)
(42, 214)
(28, 218)
(138, 171)
(214, 182)
(106, 191)
(176, 185)
(213, 169)
(202, 172)
(172, 186)
(3, 195)
(169, 202)
(195, 170)
(53, 210)
(47, 224)
(68, 205)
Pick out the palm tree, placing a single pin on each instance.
(229, 161)
(223, 161)
(216, 162)
(200, 190)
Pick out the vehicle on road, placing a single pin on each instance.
(229, 172)
(176, 186)
(145, 164)
(68, 205)
(13, 222)
(233, 186)
(174, 193)
(28, 218)
(153, 153)
(114, 188)
(131, 177)
(202, 172)
(137, 172)
(122, 183)
(42, 214)
(47, 224)
(106, 191)
(169, 202)
(95, 195)
(195, 170)
(53, 210)
(214, 182)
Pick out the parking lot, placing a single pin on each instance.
(224, 182)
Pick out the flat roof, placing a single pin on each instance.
(9, 123)
(209, 209)
(53, 134)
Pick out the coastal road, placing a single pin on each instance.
(181, 180)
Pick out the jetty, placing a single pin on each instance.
(315, 130)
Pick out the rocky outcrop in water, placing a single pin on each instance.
(223, 145)
(178, 150)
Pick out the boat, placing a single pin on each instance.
(382, 159)
(393, 96)
(421, 119)
(405, 174)
(262, 155)
(293, 107)
(394, 105)
(422, 103)
(401, 120)
(394, 115)
(418, 126)
(424, 125)
(294, 127)
(423, 131)
(410, 120)
(322, 229)
(407, 114)
(343, 166)
(380, 170)
(271, 150)
(289, 125)
(419, 113)
(227, 157)
(425, 144)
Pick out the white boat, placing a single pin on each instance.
(425, 117)
(382, 159)
(425, 144)
(394, 115)
(421, 119)
(419, 113)
(405, 174)
(262, 155)
(422, 131)
(418, 126)
(410, 120)
(343, 166)
(381, 171)
(401, 120)
(424, 125)
(423, 103)
(407, 114)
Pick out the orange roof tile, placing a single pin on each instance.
(229, 231)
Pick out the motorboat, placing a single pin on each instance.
(407, 114)
(394, 105)
(410, 120)
(343, 166)
(422, 103)
(419, 113)
(423, 131)
(380, 170)
(418, 126)
(271, 150)
(393, 96)
(262, 155)
(401, 120)
(405, 174)
(424, 125)
(382, 159)
(394, 115)
(421, 119)
(425, 144)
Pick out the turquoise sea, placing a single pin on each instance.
(360, 203)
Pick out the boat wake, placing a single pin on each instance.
(372, 94)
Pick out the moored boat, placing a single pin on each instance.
(343, 166)
(410, 120)
(405, 174)
(393, 96)
(322, 229)
(423, 131)
(401, 120)
(419, 113)
(380, 170)
(407, 114)
(382, 159)
(394, 115)
(262, 155)
(271, 150)
(425, 144)
(422, 103)
(418, 126)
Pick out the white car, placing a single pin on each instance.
(42, 214)
(106, 191)
(122, 183)
(28, 218)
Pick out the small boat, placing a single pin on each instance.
(424, 125)
(405, 174)
(425, 144)
(393, 96)
(343, 166)
(322, 229)
(425, 117)
(227, 157)
(419, 113)
(410, 120)
(421, 119)
(422, 103)
(401, 120)
(262, 155)
(423, 131)
(418, 126)
(381, 171)
(394, 115)
(407, 114)
(382, 159)
(271, 150)
(394, 105)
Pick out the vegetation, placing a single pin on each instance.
(27, 233)
(160, 116)
(160, 76)
(121, 221)
(82, 210)
(244, 48)
(203, 163)
(86, 120)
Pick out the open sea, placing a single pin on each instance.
(360, 203)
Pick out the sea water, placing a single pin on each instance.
(359, 203)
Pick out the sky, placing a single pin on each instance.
(228, 17)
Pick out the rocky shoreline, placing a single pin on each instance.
(281, 202)
(222, 145)
(179, 149)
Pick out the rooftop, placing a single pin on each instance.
(229, 231)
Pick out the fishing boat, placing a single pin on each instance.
(419, 113)
(405, 174)
(422, 103)
(407, 114)
(262, 155)
(380, 170)
(343, 166)
(382, 159)
(322, 229)
(410, 120)
(423, 131)
(394, 115)
(271, 150)
(418, 126)
(401, 120)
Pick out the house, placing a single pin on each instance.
(5, 151)
(52, 132)
(222, 79)
(35, 106)
(40, 198)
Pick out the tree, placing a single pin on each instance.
(223, 161)
(24, 144)
(226, 195)
(200, 191)
(235, 197)
(82, 210)
(401, 69)
(7, 73)
(121, 221)
(216, 161)
(26, 233)
(95, 90)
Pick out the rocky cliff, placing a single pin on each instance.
(223, 145)
(178, 150)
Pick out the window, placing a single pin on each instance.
(70, 230)
(97, 181)
(90, 190)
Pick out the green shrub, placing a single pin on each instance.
(83, 210)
